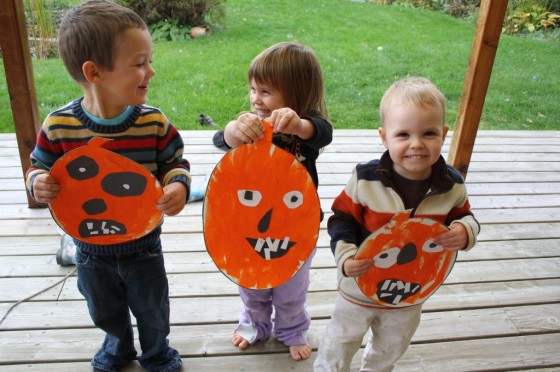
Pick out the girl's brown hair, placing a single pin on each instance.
(293, 69)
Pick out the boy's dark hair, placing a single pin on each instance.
(89, 32)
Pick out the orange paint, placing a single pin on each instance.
(408, 266)
(261, 214)
(104, 198)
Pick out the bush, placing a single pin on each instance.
(42, 28)
(169, 31)
(185, 12)
(529, 16)
(538, 18)
(423, 4)
(461, 8)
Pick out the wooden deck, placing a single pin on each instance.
(498, 310)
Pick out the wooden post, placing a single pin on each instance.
(20, 80)
(483, 51)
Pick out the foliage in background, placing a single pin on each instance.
(422, 4)
(526, 16)
(42, 28)
(522, 17)
(183, 12)
(169, 30)
(456, 8)
(462, 8)
(359, 58)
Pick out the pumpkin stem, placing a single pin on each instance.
(98, 141)
(267, 131)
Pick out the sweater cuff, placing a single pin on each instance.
(185, 181)
(472, 227)
(343, 252)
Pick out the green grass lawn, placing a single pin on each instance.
(362, 47)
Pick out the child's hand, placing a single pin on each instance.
(173, 199)
(353, 268)
(455, 239)
(286, 120)
(45, 188)
(246, 129)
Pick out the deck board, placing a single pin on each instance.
(499, 309)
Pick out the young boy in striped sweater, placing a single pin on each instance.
(107, 50)
(410, 175)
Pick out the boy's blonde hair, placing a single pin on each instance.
(89, 31)
(418, 91)
(293, 69)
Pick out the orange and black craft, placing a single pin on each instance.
(408, 266)
(261, 214)
(104, 198)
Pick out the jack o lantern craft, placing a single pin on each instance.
(104, 198)
(261, 214)
(408, 266)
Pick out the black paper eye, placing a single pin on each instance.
(430, 247)
(82, 168)
(386, 258)
(293, 199)
(124, 184)
(249, 198)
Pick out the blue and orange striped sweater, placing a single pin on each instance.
(146, 136)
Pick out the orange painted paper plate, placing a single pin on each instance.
(408, 266)
(261, 214)
(104, 198)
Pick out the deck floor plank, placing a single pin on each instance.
(499, 309)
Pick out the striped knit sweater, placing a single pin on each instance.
(145, 136)
(369, 201)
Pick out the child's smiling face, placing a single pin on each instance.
(265, 99)
(127, 82)
(414, 137)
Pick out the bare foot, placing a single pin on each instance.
(239, 341)
(300, 352)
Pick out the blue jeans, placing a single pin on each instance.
(114, 284)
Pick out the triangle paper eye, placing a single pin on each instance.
(408, 266)
(104, 198)
(261, 214)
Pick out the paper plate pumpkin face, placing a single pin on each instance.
(261, 215)
(408, 266)
(104, 198)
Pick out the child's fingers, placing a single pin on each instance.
(357, 267)
(250, 130)
(283, 120)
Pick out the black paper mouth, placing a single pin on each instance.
(271, 248)
(393, 291)
(90, 228)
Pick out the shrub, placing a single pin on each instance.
(461, 8)
(41, 28)
(169, 31)
(528, 17)
(184, 12)
(424, 4)
(539, 18)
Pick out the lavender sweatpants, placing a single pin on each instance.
(291, 319)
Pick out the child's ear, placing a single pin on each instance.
(91, 72)
(383, 136)
(445, 130)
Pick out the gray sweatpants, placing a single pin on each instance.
(391, 332)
